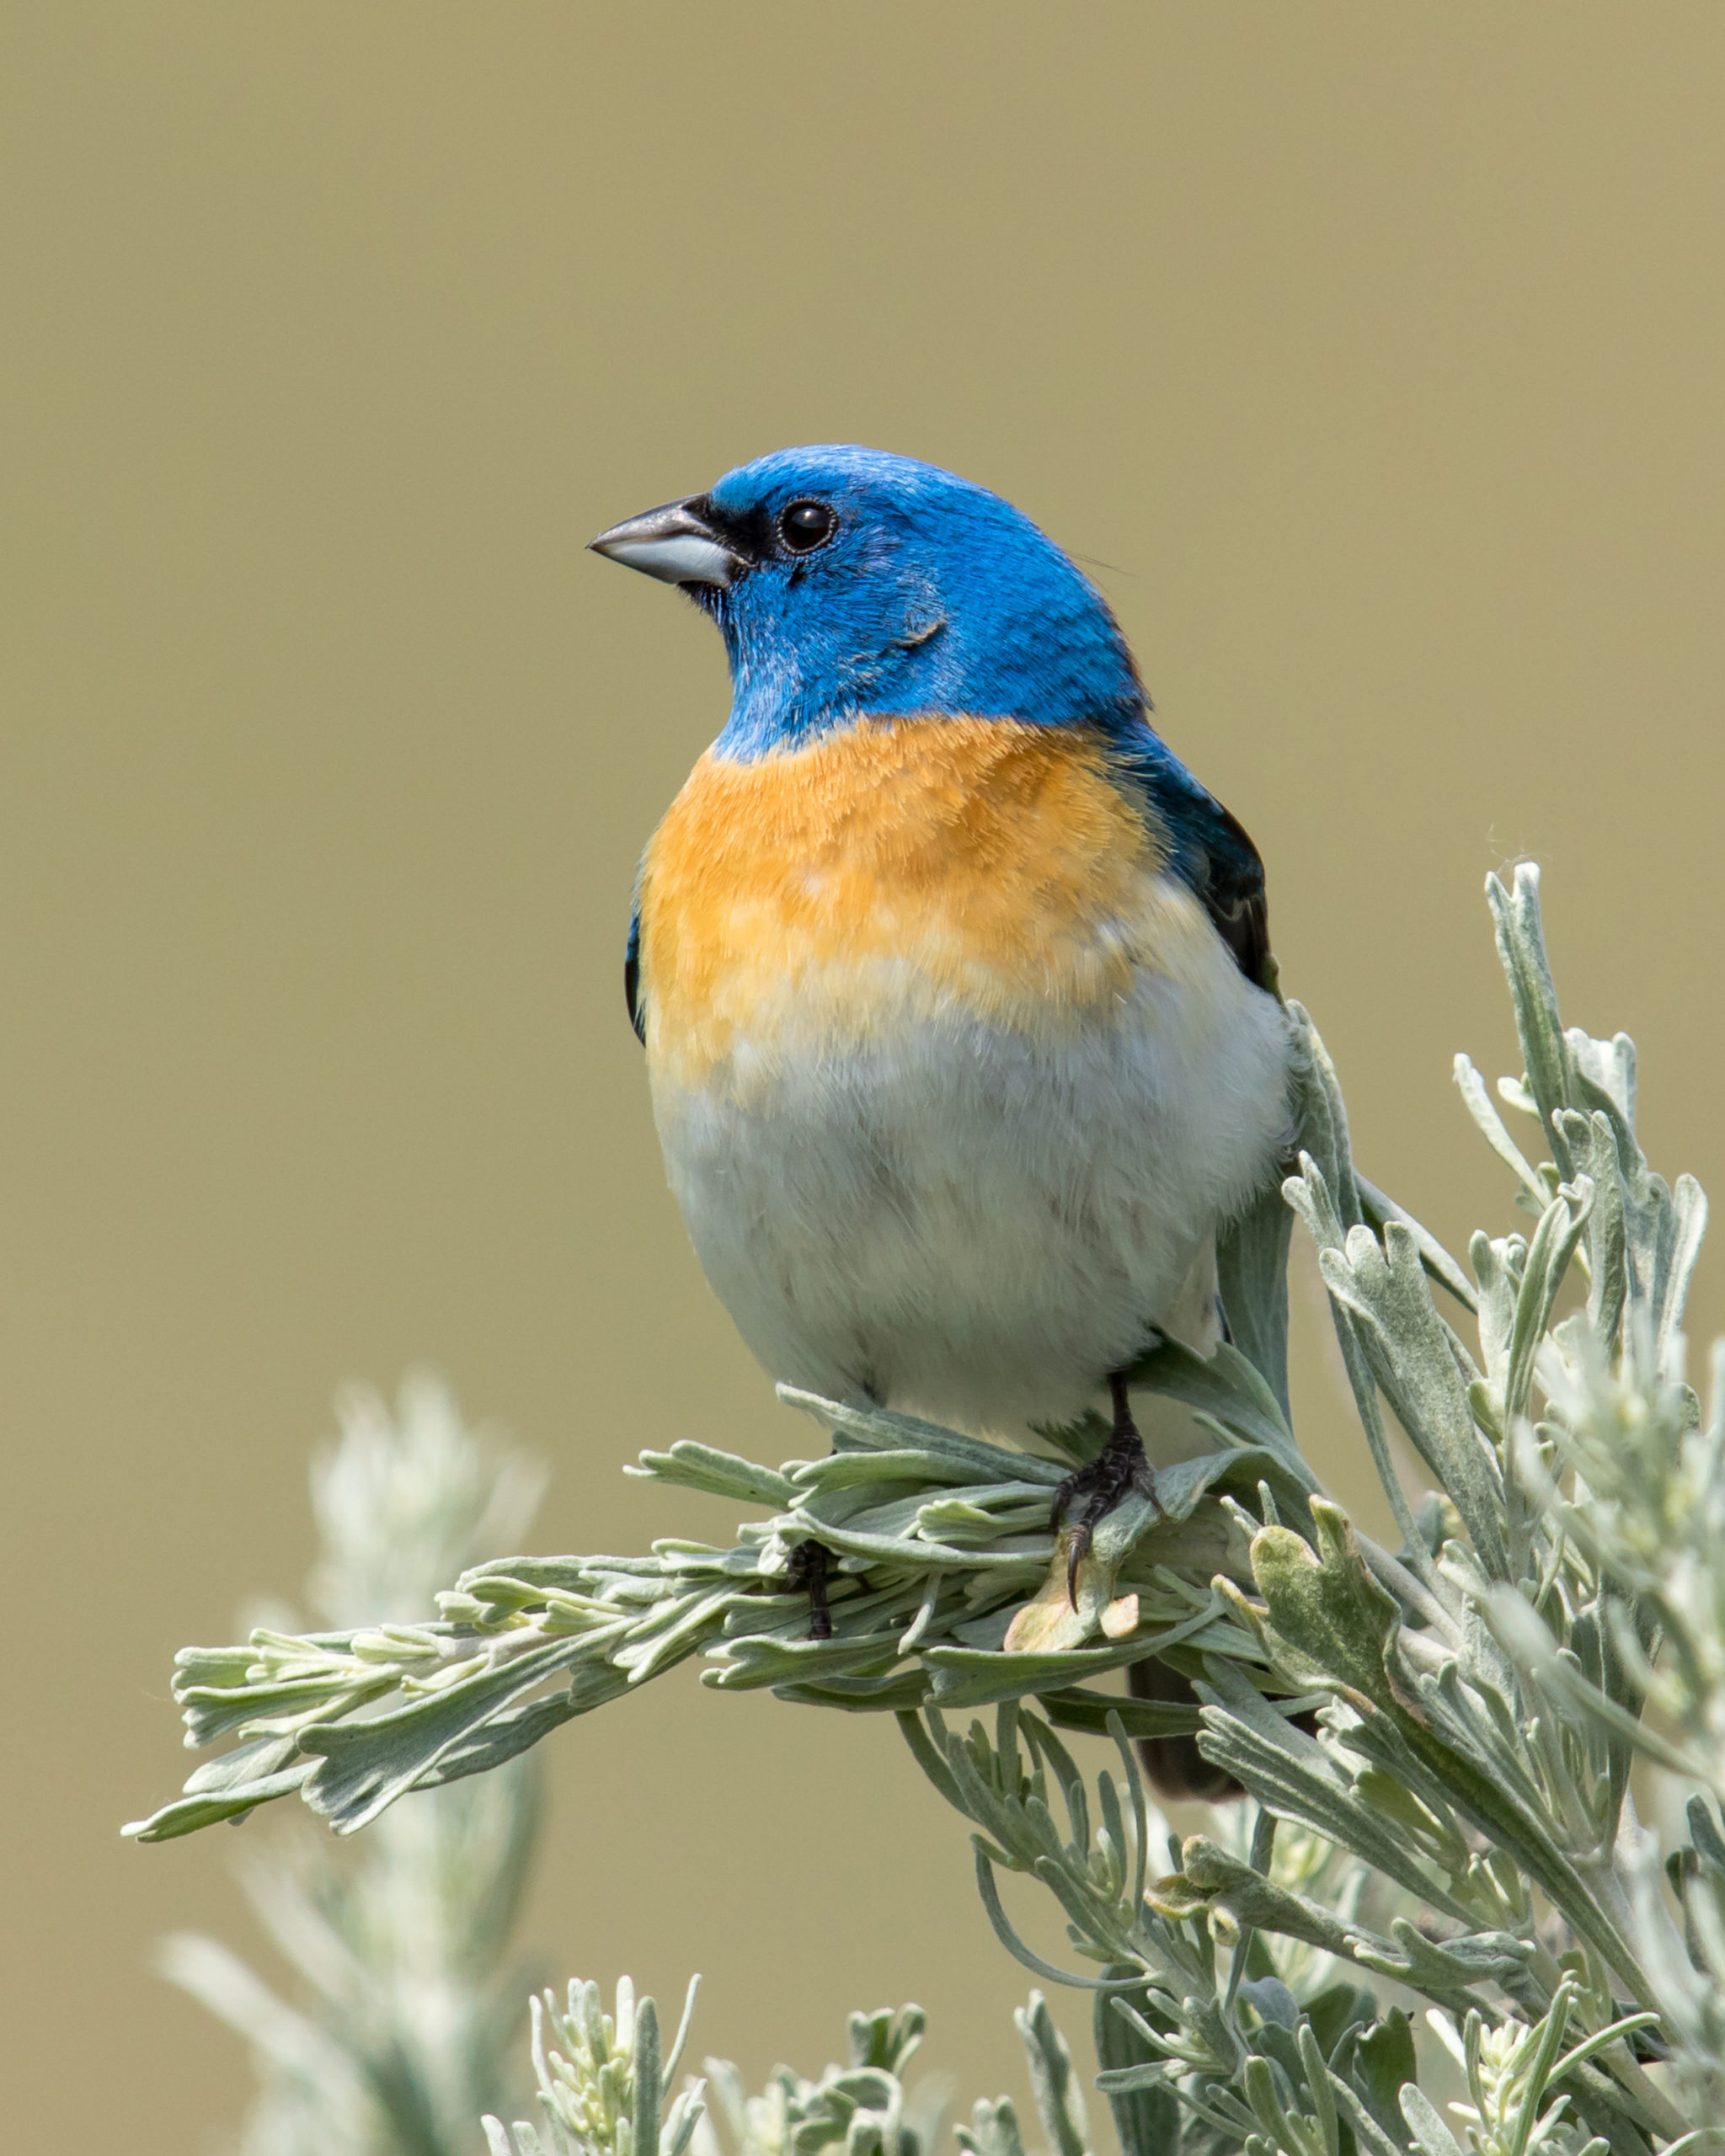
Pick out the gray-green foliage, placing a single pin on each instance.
(938, 1540)
(1480, 1695)
(405, 2024)
(603, 2080)
(862, 2107)
(603, 2084)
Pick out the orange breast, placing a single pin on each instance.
(896, 870)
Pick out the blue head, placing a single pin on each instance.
(849, 583)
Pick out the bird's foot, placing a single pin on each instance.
(808, 1567)
(1118, 1469)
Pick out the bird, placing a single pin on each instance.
(955, 984)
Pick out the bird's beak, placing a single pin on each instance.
(677, 544)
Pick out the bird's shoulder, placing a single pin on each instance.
(1207, 847)
(633, 998)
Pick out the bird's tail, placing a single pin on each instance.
(1177, 1769)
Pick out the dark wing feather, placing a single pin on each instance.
(1233, 897)
(632, 974)
(1208, 848)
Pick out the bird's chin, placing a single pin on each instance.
(710, 598)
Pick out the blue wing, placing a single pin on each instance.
(1211, 852)
(632, 971)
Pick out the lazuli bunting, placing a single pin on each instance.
(954, 982)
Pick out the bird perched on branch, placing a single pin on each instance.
(954, 983)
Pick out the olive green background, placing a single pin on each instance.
(1376, 349)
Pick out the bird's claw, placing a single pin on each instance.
(809, 1563)
(1118, 1469)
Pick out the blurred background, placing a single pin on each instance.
(1377, 352)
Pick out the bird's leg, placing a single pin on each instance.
(1119, 1467)
(808, 1568)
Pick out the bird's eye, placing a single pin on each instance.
(805, 525)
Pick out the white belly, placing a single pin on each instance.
(970, 1223)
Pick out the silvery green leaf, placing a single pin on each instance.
(1320, 1117)
(1295, 1777)
(198, 1810)
(1251, 1278)
(1526, 1639)
(1255, 1901)
(1498, 1265)
(871, 1506)
(1473, 1092)
(677, 1629)
(903, 1691)
(1308, 1193)
(1690, 1226)
(995, 1509)
(519, 2140)
(1327, 1609)
(1609, 1066)
(884, 1430)
(364, 1766)
(696, 1466)
(1059, 2097)
(644, 2118)
(1411, 1357)
(1440, 1972)
(397, 2037)
(1594, 1146)
(757, 1664)
(1521, 946)
(1378, 1210)
(223, 1691)
(1438, 1967)
(1431, 2136)
(905, 1551)
(1229, 1394)
(1547, 1261)
(967, 1677)
(841, 1469)
(259, 1761)
(1077, 1709)
(993, 2131)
